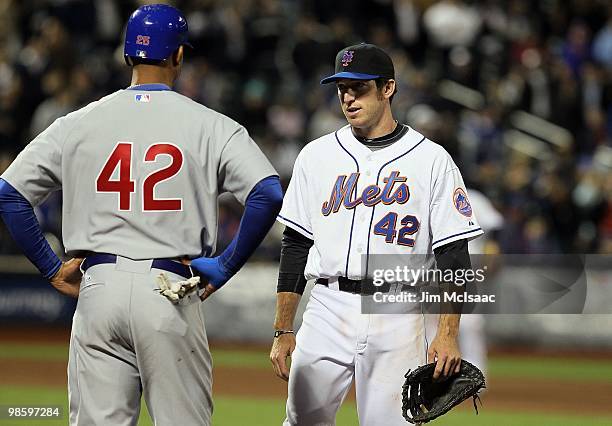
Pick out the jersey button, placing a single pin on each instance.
(368, 173)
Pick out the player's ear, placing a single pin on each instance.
(389, 88)
(177, 56)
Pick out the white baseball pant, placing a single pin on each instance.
(336, 344)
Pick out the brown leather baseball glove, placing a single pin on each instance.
(427, 400)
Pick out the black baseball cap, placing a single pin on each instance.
(362, 62)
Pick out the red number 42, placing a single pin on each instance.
(121, 158)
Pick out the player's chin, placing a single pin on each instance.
(355, 121)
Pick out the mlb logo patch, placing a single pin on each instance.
(142, 97)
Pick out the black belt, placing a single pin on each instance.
(163, 264)
(356, 286)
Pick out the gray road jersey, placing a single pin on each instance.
(140, 173)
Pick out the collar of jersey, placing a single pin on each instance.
(154, 87)
(362, 152)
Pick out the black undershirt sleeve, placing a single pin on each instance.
(294, 254)
(452, 256)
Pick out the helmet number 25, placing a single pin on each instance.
(121, 158)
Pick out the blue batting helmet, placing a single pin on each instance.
(154, 31)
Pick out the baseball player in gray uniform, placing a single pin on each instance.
(140, 171)
(374, 187)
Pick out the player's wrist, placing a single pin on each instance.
(283, 324)
(55, 272)
(278, 333)
(212, 269)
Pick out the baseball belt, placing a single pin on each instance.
(163, 264)
(356, 286)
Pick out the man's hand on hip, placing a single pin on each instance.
(211, 271)
(67, 280)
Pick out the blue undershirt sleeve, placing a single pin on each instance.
(260, 210)
(18, 215)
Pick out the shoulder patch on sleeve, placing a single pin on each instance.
(461, 202)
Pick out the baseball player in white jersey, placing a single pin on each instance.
(140, 171)
(374, 186)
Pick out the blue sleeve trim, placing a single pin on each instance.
(456, 235)
(18, 215)
(296, 224)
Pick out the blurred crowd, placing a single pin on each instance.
(518, 92)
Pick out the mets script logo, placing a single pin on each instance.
(347, 57)
(344, 191)
(461, 202)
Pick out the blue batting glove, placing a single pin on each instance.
(212, 270)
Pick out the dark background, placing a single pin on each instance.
(517, 91)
